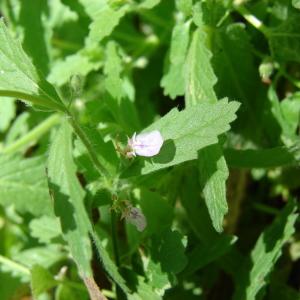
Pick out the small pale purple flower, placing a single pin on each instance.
(136, 218)
(145, 144)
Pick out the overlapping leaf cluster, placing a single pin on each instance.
(218, 79)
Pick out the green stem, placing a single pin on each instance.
(65, 45)
(100, 168)
(33, 135)
(265, 208)
(13, 265)
(119, 292)
(253, 20)
(114, 237)
(34, 100)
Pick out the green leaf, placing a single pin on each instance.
(186, 132)
(281, 291)
(112, 70)
(104, 19)
(200, 77)
(296, 3)
(7, 112)
(45, 229)
(19, 78)
(196, 209)
(200, 80)
(167, 259)
(254, 273)
(41, 281)
(105, 152)
(185, 6)
(69, 207)
(213, 173)
(202, 255)
(233, 64)
(66, 292)
(45, 256)
(109, 265)
(259, 158)
(23, 184)
(143, 291)
(69, 199)
(285, 40)
(35, 36)
(80, 63)
(169, 251)
(290, 107)
(157, 211)
(173, 81)
(148, 4)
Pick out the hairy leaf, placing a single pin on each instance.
(80, 63)
(186, 132)
(268, 248)
(173, 81)
(200, 81)
(104, 19)
(7, 112)
(41, 281)
(23, 185)
(285, 40)
(19, 78)
(68, 199)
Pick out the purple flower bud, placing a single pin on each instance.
(136, 218)
(145, 144)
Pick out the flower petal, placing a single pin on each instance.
(147, 144)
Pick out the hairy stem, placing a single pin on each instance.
(100, 168)
(93, 289)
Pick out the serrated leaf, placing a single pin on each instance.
(285, 40)
(23, 184)
(7, 112)
(173, 81)
(41, 281)
(109, 265)
(19, 78)
(143, 291)
(213, 175)
(200, 77)
(268, 248)
(80, 63)
(233, 64)
(195, 207)
(200, 81)
(69, 207)
(68, 199)
(186, 132)
(45, 256)
(112, 70)
(45, 229)
(104, 19)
